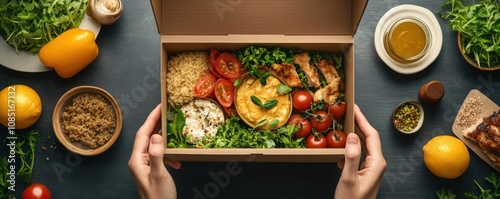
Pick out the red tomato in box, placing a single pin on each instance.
(321, 121)
(304, 125)
(205, 86)
(302, 100)
(229, 66)
(224, 92)
(214, 54)
(336, 139)
(338, 110)
(316, 141)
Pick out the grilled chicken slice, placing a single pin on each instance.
(287, 73)
(302, 60)
(328, 70)
(330, 93)
(487, 136)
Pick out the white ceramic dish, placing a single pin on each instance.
(29, 62)
(403, 11)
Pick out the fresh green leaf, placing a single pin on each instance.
(273, 123)
(179, 121)
(479, 26)
(260, 123)
(256, 101)
(445, 194)
(284, 89)
(263, 78)
(236, 83)
(28, 25)
(269, 104)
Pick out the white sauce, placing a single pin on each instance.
(203, 117)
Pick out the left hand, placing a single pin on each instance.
(147, 161)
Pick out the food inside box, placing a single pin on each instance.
(257, 90)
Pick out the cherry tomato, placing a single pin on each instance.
(224, 92)
(338, 110)
(304, 125)
(336, 139)
(230, 111)
(316, 141)
(229, 66)
(302, 100)
(36, 191)
(214, 54)
(205, 86)
(321, 121)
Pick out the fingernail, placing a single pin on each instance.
(156, 139)
(352, 139)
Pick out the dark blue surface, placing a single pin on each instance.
(128, 67)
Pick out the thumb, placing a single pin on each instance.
(352, 157)
(156, 154)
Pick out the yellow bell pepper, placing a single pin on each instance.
(70, 52)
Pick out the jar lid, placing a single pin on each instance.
(431, 93)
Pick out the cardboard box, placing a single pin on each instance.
(198, 25)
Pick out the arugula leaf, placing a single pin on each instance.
(28, 25)
(174, 131)
(479, 27)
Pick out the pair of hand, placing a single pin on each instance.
(154, 181)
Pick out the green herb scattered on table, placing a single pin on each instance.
(28, 25)
(485, 193)
(25, 160)
(479, 28)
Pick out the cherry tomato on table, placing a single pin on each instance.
(229, 66)
(205, 86)
(321, 121)
(316, 141)
(36, 191)
(224, 92)
(336, 139)
(302, 100)
(305, 126)
(338, 110)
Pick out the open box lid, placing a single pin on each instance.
(258, 17)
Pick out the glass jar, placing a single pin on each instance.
(407, 40)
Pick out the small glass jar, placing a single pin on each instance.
(407, 40)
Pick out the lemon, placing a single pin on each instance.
(446, 156)
(20, 106)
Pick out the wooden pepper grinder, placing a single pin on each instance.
(431, 93)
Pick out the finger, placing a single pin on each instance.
(144, 133)
(371, 135)
(156, 154)
(352, 157)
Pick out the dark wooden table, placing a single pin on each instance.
(128, 67)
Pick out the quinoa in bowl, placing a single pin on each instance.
(87, 120)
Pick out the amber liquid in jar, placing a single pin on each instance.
(407, 40)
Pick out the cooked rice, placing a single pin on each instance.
(89, 119)
(183, 71)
